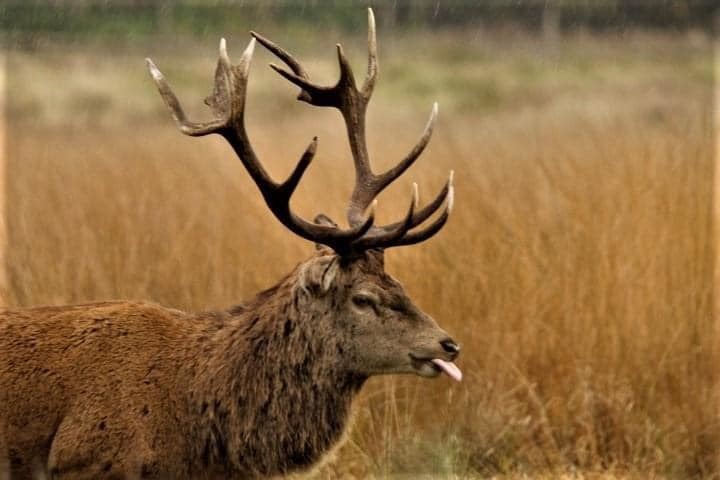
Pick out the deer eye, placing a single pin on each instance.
(362, 300)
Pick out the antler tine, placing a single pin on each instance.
(428, 210)
(331, 236)
(281, 54)
(228, 105)
(372, 68)
(187, 127)
(309, 92)
(386, 235)
(398, 233)
(390, 175)
(424, 234)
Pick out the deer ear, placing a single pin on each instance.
(322, 219)
(318, 274)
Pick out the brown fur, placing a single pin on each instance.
(124, 389)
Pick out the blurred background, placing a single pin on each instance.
(576, 270)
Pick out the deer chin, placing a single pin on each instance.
(432, 367)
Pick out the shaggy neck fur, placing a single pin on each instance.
(269, 386)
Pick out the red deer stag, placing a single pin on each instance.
(124, 389)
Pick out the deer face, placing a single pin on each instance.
(377, 327)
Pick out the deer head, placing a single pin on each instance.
(364, 315)
(368, 313)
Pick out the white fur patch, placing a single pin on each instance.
(319, 272)
(328, 276)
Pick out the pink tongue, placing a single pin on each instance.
(450, 368)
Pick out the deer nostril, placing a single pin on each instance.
(450, 346)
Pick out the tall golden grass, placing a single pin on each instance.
(576, 270)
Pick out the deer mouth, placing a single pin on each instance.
(432, 367)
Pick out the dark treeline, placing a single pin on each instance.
(129, 18)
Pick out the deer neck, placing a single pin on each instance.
(273, 396)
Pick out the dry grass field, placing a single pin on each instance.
(576, 270)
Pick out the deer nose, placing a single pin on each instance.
(450, 347)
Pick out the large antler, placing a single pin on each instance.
(352, 103)
(228, 105)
